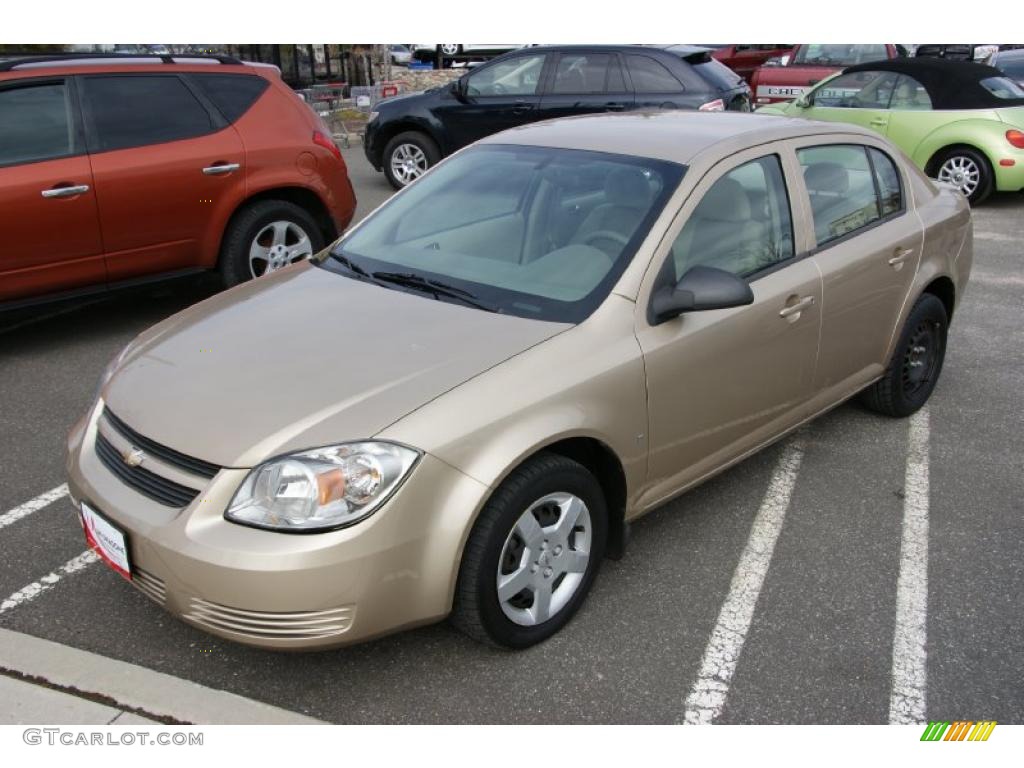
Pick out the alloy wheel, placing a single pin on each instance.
(449, 49)
(277, 245)
(408, 163)
(962, 172)
(544, 559)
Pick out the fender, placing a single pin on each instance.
(987, 136)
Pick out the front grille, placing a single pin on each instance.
(149, 585)
(162, 452)
(304, 625)
(142, 480)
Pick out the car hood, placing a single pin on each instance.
(300, 359)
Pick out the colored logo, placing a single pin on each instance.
(958, 730)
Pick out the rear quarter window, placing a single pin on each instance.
(233, 95)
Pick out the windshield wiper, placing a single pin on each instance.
(436, 287)
(351, 266)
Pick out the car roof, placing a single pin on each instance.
(114, 61)
(674, 135)
(951, 84)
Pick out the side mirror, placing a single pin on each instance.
(804, 101)
(701, 288)
(459, 88)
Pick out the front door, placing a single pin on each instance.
(162, 163)
(861, 98)
(722, 382)
(500, 95)
(868, 249)
(586, 82)
(51, 233)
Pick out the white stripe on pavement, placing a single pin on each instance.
(909, 656)
(33, 505)
(36, 588)
(707, 697)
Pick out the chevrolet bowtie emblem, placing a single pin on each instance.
(133, 456)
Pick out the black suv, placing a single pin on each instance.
(408, 134)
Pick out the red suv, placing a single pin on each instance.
(117, 170)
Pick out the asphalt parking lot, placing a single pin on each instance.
(820, 642)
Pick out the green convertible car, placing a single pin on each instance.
(960, 122)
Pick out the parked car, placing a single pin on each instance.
(809, 64)
(745, 59)
(960, 52)
(1010, 63)
(119, 171)
(960, 122)
(400, 54)
(567, 324)
(407, 135)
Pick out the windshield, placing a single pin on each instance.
(530, 231)
(839, 55)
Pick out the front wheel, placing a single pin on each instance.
(916, 362)
(407, 157)
(968, 170)
(532, 555)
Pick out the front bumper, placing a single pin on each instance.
(393, 570)
(370, 149)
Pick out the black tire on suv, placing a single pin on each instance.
(265, 236)
(408, 156)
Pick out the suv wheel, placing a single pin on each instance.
(916, 362)
(265, 237)
(408, 156)
(532, 555)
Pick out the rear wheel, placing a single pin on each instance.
(408, 156)
(916, 362)
(969, 170)
(532, 555)
(265, 237)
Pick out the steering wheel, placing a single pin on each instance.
(499, 88)
(606, 234)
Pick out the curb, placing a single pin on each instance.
(133, 688)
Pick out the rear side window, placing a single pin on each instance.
(889, 193)
(135, 110)
(650, 76)
(841, 188)
(588, 73)
(231, 94)
(35, 123)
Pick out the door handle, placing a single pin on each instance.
(614, 106)
(899, 256)
(221, 169)
(796, 308)
(879, 122)
(69, 191)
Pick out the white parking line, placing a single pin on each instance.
(36, 588)
(707, 697)
(909, 655)
(33, 505)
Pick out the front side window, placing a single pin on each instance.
(135, 110)
(910, 94)
(742, 224)
(839, 55)
(35, 123)
(518, 76)
(857, 90)
(588, 73)
(530, 231)
(841, 188)
(650, 76)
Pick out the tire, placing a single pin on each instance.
(902, 390)
(412, 154)
(278, 228)
(544, 489)
(955, 165)
(453, 50)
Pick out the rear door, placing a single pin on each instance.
(586, 82)
(163, 159)
(51, 234)
(500, 95)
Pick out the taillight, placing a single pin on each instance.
(713, 106)
(1016, 138)
(326, 142)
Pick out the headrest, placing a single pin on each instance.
(725, 201)
(628, 187)
(830, 178)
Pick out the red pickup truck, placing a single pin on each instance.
(745, 59)
(808, 64)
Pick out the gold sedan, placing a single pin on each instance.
(459, 407)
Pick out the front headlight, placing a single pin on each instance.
(321, 489)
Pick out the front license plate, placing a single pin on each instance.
(107, 540)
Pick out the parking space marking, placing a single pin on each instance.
(707, 697)
(909, 653)
(36, 588)
(33, 505)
